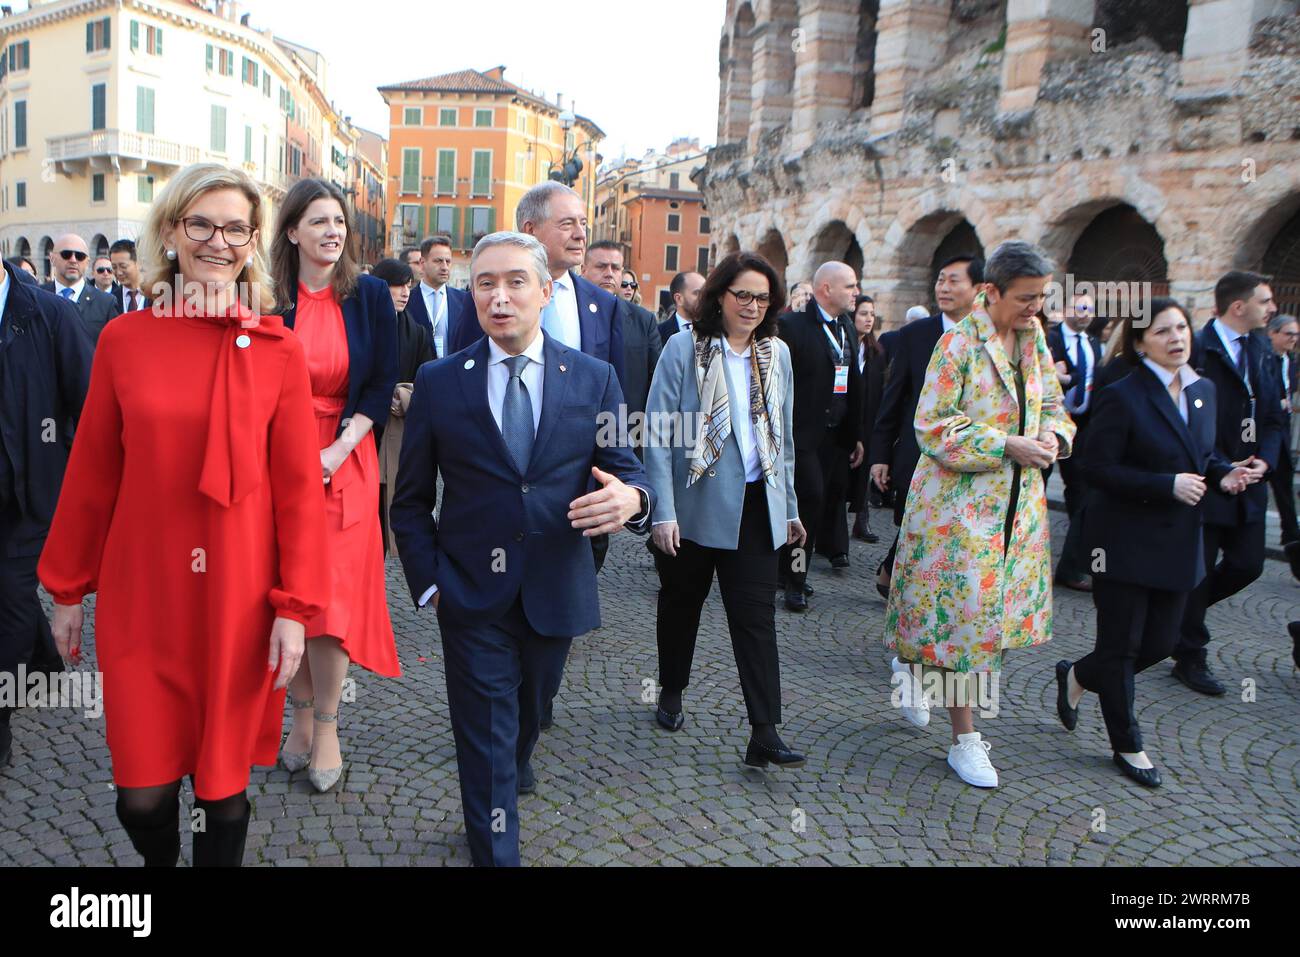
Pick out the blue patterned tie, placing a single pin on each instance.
(1242, 361)
(66, 292)
(517, 414)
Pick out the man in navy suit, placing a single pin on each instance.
(1251, 422)
(448, 313)
(514, 426)
(70, 259)
(893, 452)
(685, 290)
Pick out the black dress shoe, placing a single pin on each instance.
(795, 601)
(1082, 583)
(6, 744)
(1294, 629)
(839, 561)
(670, 720)
(527, 780)
(1198, 677)
(1147, 777)
(548, 716)
(761, 755)
(1292, 551)
(1069, 716)
(783, 586)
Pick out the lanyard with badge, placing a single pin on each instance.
(841, 367)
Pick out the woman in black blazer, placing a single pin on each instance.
(1150, 454)
(348, 329)
(871, 363)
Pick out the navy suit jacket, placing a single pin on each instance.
(893, 440)
(502, 535)
(95, 307)
(1137, 443)
(1234, 440)
(1056, 345)
(462, 318)
(371, 325)
(668, 328)
(599, 319)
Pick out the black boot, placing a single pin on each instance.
(155, 836)
(220, 843)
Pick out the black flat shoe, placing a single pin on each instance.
(670, 720)
(1082, 583)
(1147, 777)
(1198, 677)
(1294, 629)
(796, 602)
(760, 756)
(527, 780)
(839, 562)
(1292, 552)
(1069, 716)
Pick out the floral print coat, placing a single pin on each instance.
(958, 599)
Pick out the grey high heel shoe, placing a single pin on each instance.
(292, 760)
(322, 779)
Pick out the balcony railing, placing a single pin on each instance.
(117, 149)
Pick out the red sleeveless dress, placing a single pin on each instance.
(357, 613)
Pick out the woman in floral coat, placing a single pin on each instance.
(973, 573)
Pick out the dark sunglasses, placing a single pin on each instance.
(104, 270)
(628, 285)
(73, 254)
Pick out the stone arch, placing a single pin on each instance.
(772, 248)
(864, 54)
(1271, 201)
(99, 246)
(23, 248)
(809, 250)
(739, 72)
(834, 241)
(1281, 259)
(1159, 22)
(731, 245)
(916, 240)
(1119, 245)
(44, 266)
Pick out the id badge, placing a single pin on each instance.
(841, 380)
(438, 342)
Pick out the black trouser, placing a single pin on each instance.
(815, 479)
(1282, 481)
(833, 535)
(746, 578)
(1137, 627)
(25, 637)
(1243, 562)
(1074, 560)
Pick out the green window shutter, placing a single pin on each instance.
(218, 129)
(482, 172)
(135, 34)
(157, 34)
(143, 109)
(411, 171)
(469, 228)
(419, 228)
(492, 219)
(455, 223)
(248, 144)
(108, 33)
(209, 58)
(447, 172)
(90, 36)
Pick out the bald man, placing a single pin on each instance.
(827, 412)
(69, 262)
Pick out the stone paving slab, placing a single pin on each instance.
(615, 789)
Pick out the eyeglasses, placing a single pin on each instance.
(104, 270)
(73, 254)
(628, 285)
(200, 230)
(745, 297)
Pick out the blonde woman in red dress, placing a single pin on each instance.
(348, 328)
(192, 507)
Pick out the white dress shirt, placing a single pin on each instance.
(435, 304)
(76, 289)
(132, 299)
(568, 329)
(683, 325)
(947, 323)
(1186, 375)
(739, 375)
(1072, 345)
(1229, 339)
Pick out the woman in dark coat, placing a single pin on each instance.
(414, 348)
(1150, 458)
(871, 363)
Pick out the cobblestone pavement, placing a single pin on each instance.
(614, 789)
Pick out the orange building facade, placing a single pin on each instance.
(464, 147)
(668, 233)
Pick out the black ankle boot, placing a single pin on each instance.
(221, 843)
(158, 838)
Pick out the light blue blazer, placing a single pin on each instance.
(708, 513)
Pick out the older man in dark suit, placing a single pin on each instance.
(513, 427)
(603, 266)
(45, 356)
(70, 260)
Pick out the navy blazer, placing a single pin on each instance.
(1137, 443)
(893, 439)
(668, 328)
(371, 325)
(462, 318)
(1056, 345)
(1234, 439)
(45, 358)
(599, 320)
(500, 534)
(95, 307)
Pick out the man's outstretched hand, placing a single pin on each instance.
(604, 511)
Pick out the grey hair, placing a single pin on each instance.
(535, 206)
(1280, 322)
(520, 241)
(1016, 259)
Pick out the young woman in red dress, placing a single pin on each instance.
(192, 507)
(348, 328)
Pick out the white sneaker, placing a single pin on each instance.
(969, 757)
(910, 697)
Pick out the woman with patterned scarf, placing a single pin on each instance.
(720, 455)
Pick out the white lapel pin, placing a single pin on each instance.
(1198, 403)
(242, 341)
(469, 363)
(592, 306)
(562, 369)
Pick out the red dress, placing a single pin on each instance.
(191, 504)
(358, 609)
